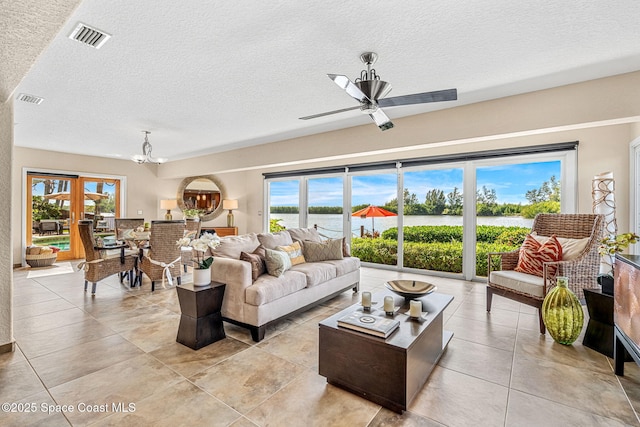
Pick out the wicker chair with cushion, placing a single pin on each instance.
(98, 264)
(579, 236)
(192, 230)
(162, 259)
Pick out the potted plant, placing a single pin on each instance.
(191, 213)
(609, 247)
(201, 263)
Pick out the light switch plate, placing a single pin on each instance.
(139, 211)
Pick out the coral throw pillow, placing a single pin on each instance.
(533, 254)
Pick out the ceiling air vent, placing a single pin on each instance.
(89, 36)
(30, 98)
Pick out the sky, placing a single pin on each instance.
(511, 182)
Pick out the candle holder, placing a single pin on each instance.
(366, 301)
(389, 308)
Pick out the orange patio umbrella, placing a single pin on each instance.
(373, 212)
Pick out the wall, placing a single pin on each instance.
(6, 276)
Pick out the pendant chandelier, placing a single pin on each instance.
(146, 156)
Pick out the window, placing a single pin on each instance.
(441, 214)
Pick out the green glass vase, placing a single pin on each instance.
(562, 313)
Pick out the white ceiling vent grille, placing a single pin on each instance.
(32, 99)
(89, 36)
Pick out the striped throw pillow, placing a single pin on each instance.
(534, 254)
(294, 251)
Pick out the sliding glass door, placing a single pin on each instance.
(433, 207)
(439, 216)
(374, 214)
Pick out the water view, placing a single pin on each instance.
(330, 225)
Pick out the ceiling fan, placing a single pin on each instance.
(369, 91)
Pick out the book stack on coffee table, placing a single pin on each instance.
(369, 324)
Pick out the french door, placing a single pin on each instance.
(56, 202)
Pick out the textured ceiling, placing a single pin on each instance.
(207, 76)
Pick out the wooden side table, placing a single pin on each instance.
(599, 333)
(201, 320)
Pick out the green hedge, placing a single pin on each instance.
(452, 233)
(429, 256)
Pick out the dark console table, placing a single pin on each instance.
(201, 320)
(626, 311)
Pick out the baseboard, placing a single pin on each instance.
(7, 348)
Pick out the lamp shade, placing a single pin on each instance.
(230, 204)
(168, 204)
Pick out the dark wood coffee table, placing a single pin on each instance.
(388, 372)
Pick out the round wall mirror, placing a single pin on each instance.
(204, 193)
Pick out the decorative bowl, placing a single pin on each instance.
(410, 288)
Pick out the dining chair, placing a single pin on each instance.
(162, 259)
(98, 264)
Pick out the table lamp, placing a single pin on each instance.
(230, 205)
(168, 205)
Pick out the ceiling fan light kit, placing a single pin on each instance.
(370, 91)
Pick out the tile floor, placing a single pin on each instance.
(117, 350)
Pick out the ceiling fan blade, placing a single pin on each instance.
(420, 98)
(329, 113)
(350, 87)
(381, 119)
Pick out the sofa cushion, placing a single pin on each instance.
(302, 234)
(521, 282)
(277, 262)
(533, 255)
(257, 261)
(294, 251)
(231, 246)
(271, 240)
(344, 265)
(269, 288)
(316, 272)
(322, 251)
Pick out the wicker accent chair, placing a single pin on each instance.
(162, 259)
(98, 264)
(192, 228)
(582, 270)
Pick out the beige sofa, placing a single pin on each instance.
(255, 304)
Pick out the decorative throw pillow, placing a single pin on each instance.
(125, 234)
(323, 251)
(257, 261)
(533, 255)
(294, 251)
(302, 234)
(277, 262)
(271, 240)
(571, 248)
